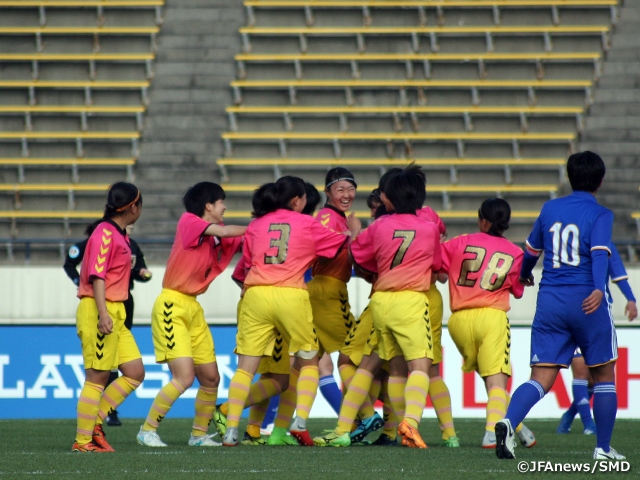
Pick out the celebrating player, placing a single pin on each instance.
(280, 244)
(202, 249)
(483, 270)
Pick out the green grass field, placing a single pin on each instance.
(42, 449)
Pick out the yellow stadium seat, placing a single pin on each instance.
(451, 164)
(444, 190)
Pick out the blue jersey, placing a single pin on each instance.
(571, 231)
(618, 275)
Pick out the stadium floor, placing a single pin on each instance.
(42, 449)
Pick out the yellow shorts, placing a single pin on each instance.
(104, 352)
(355, 343)
(278, 360)
(267, 309)
(332, 317)
(483, 338)
(435, 318)
(180, 330)
(401, 322)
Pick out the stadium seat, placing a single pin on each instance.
(401, 85)
(445, 191)
(450, 164)
(75, 163)
(489, 32)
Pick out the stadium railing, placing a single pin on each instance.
(75, 163)
(473, 86)
(547, 32)
(444, 190)
(86, 85)
(450, 164)
(421, 6)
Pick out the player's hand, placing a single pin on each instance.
(592, 302)
(145, 273)
(354, 225)
(631, 311)
(527, 282)
(105, 324)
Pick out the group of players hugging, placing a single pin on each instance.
(392, 351)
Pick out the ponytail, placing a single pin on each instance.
(273, 196)
(120, 198)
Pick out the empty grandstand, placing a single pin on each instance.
(489, 97)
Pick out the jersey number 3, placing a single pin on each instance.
(494, 274)
(282, 243)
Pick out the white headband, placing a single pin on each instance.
(348, 179)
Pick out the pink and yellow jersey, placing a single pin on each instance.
(280, 246)
(197, 259)
(428, 213)
(402, 249)
(339, 267)
(107, 256)
(483, 270)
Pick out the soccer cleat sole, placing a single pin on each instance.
(502, 432)
(377, 424)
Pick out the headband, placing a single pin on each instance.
(130, 203)
(348, 179)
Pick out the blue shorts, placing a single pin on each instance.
(560, 325)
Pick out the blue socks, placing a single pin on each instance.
(581, 402)
(331, 392)
(523, 400)
(605, 408)
(272, 411)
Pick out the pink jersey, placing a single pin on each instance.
(280, 246)
(339, 267)
(402, 249)
(483, 270)
(107, 256)
(197, 259)
(429, 213)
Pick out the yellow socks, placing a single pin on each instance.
(238, 393)
(441, 400)
(390, 428)
(395, 388)
(357, 393)
(205, 406)
(307, 390)
(87, 411)
(162, 403)
(264, 388)
(347, 372)
(114, 395)
(256, 415)
(415, 397)
(496, 407)
(287, 402)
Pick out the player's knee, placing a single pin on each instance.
(306, 354)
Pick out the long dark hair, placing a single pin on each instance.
(121, 197)
(497, 211)
(272, 196)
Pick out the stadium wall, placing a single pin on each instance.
(41, 363)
